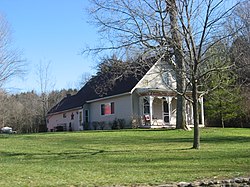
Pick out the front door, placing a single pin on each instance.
(165, 112)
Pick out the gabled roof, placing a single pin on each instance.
(87, 92)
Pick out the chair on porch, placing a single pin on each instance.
(147, 119)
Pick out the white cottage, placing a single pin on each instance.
(148, 101)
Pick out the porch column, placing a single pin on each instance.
(202, 111)
(140, 111)
(151, 99)
(140, 106)
(192, 114)
(169, 108)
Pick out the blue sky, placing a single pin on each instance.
(50, 30)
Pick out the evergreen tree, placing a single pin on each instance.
(224, 103)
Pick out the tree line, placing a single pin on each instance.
(24, 112)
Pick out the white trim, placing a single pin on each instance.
(169, 110)
(144, 76)
(131, 105)
(141, 106)
(109, 97)
(202, 111)
(86, 110)
(151, 100)
(80, 117)
(110, 103)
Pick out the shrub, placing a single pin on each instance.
(121, 123)
(115, 124)
(95, 125)
(135, 122)
(102, 125)
(86, 126)
(118, 124)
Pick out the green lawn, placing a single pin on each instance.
(103, 158)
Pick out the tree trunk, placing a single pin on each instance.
(221, 115)
(222, 122)
(196, 142)
(181, 105)
(180, 66)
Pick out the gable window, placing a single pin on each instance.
(107, 108)
(72, 116)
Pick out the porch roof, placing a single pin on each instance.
(154, 92)
(157, 92)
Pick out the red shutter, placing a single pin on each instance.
(112, 108)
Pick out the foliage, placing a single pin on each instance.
(118, 124)
(95, 125)
(224, 101)
(86, 126)
(11, 64)
(98, 125)
(122, 158)
(111, 70)
(102, 125)
(224, 105)
(24, 112)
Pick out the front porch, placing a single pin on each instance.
(157, 109)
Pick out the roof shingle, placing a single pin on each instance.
(87, 92)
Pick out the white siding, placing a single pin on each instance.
(59, 119)
(122, 109)
(156, 79)
(135, 104)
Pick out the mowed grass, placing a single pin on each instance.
(127, 157)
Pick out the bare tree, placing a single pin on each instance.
(10, 63)
(84, 78)
(145, 27)
(180, 64)
(239, 22)
(25, 114)
(186, 29)
(46, 85)
(3, 108)
(202, 28)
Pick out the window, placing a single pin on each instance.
(146, 109)
(80, 118)
(64, 115)
(86, 116)
(107, 109)
(72, 116)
